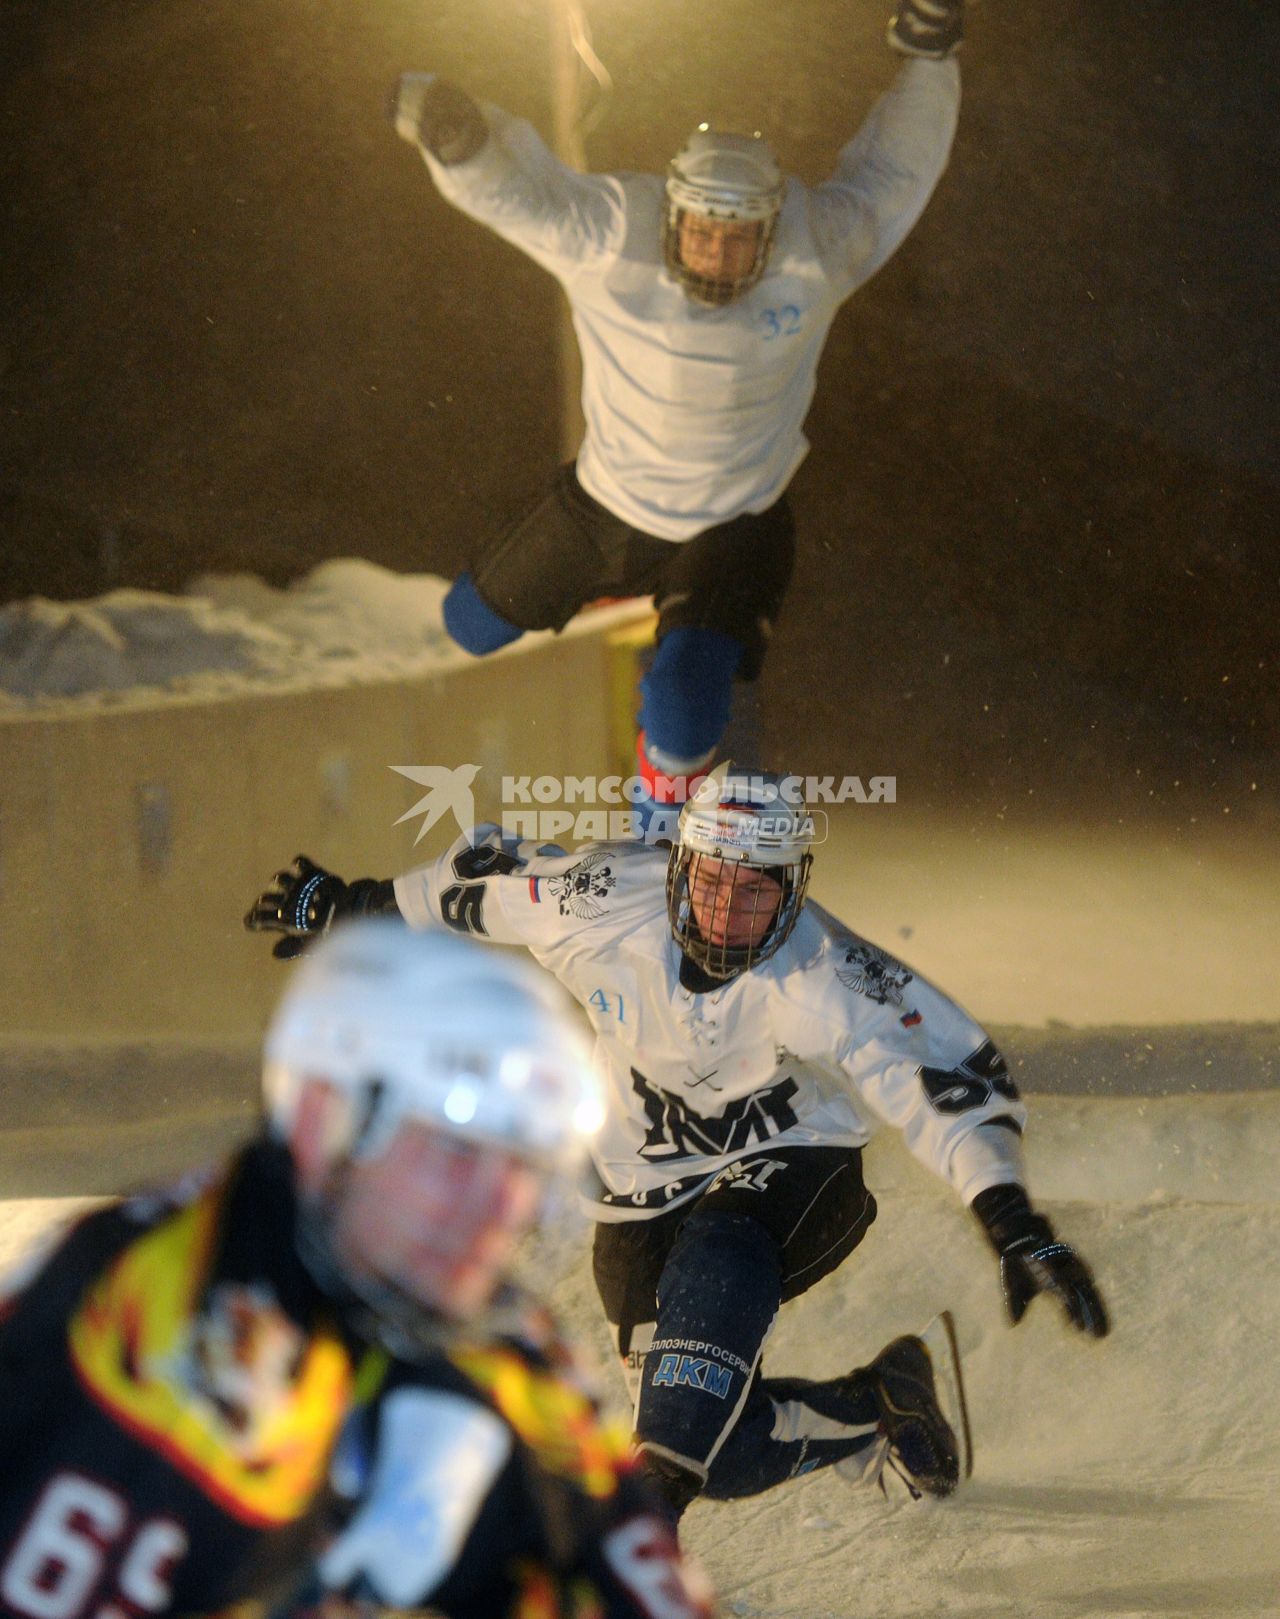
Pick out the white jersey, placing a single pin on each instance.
(814, 1047)
(694, 415)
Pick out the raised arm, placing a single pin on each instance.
(886, 174)
(498, 170)
(473, 888)
(486, 884)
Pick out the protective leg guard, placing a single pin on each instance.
(472, 623)
(717, 1298)
(686, 692)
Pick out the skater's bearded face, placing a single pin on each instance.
(722, 250)
(734, 906)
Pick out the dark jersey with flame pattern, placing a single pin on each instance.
(175, 1386)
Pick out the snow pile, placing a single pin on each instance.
(347, 610)
(346, 621)
(127, 638)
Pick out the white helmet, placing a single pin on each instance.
(429, 1026)
(722, 177)
(744, 821)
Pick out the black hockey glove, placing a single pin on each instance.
(932, 28)
(306, 900)
(439, 115)
(1033, 1261)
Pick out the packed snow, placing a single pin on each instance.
(1133, 1477)
(345, 620)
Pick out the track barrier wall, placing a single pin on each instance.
(132, 840)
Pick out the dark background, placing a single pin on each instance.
(1039, 564)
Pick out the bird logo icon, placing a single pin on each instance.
(448, 789)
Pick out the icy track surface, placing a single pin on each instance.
(1134, 1477)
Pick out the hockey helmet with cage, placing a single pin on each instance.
(430, 1027)
(726, 179)
(738, 827)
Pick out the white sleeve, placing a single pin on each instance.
(512, 892)
(518, 188)
(887, 172)
(466, 888)
(438, 1455)
(913, 1057)
(945, 1096)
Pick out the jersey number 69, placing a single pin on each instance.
(78, 1530)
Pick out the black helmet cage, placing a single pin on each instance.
(725, 961)
(713, 291)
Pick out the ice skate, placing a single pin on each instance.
(916, 1384)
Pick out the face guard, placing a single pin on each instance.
(738, 875)
(726, 184)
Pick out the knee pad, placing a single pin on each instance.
(685, 694)
(721, 1285)
(739, 1243)
(472, 623)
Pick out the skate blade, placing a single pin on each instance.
(939, 1338)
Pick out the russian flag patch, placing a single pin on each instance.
(534, 895)
(909, 1020)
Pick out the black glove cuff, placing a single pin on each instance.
(368, 896)
(1008, 1219)
(935, 29)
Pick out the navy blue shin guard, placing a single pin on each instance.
(687, 690)
(717, 1298)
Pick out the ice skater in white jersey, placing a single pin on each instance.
(701, 304)
(750, 1045)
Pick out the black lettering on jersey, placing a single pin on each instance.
(652, 1196)
(676, 1131)
(485, 860)
(462, 908)
(971, 1083)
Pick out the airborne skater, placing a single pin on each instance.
(701, 305)
(750, 1044)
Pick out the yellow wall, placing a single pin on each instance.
(132, 842)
